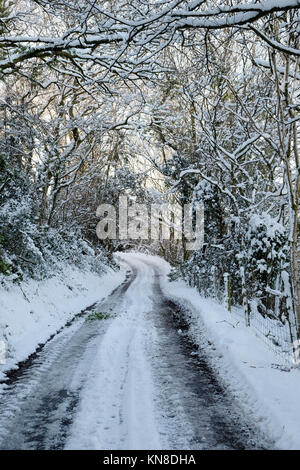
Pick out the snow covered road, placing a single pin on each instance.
(124, 376)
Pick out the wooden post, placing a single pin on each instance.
(246, 305)
(291, 316)
(227, 291)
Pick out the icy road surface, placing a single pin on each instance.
(126, 378)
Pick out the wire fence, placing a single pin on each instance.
(272, 316)
(273, 319)
(274, 333)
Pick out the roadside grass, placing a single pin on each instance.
(96, 316)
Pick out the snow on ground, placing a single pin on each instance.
(122, 414)
(252, 371)
(32, 311)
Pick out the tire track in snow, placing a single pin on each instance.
(131, 382)
(116, 411)
(37, 408)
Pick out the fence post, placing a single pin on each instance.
(246, 305)
(227, 291)
(291, 316)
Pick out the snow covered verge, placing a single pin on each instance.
(266, 389)
(33, 310)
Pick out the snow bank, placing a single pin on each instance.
(265, 388)
(32, 311)
(254, 374)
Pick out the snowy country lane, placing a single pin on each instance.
(126, 379)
